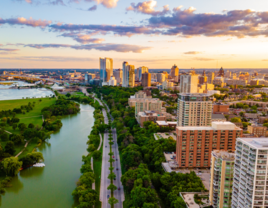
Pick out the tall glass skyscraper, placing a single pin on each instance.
(106, 69)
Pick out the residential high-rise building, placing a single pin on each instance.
(131, 74)
(250, 188)
(195, 143)
(161, 77)
(141, 70)
(166, 85)
(189, 83)
(106, 69)
(194, 109)
(118, 75)
(128, 75)
(221, 178)
(125, 75)
(174, 72)
(146, 79)
(203, 79)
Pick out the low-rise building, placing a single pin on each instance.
(149, 116)
(218, 117)
(257, 130)
(220, 108)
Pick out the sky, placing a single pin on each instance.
(156, 34)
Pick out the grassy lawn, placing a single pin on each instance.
(97, 171)
(34, 116)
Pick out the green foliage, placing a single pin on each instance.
(236, 120)
(10, 148)
(11, 166)
(31, 158)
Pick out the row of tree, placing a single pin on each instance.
(142, 156)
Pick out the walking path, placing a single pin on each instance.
(23, 148)
(7, 131)
(93, 185)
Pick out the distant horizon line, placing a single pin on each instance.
(120, 68)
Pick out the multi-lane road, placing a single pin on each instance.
(105, 182)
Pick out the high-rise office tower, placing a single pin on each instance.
(106, 69)
(250, 186)
(189, 83)
(221, 178)
(131, 74)
(146, 79)
(195, 143)
(118, 75)
(194, 109)
(125, 75)
(203, 79)
(174, 72)
(160, 77)
(140, 71)
(211, 77)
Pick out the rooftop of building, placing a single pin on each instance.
(217, 116)
(216, 125)
(256, 143)
(224, 155)
(195, 94)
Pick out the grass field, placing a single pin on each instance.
(34, 116)
(97, 171)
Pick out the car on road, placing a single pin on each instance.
(114, 178)
(113, 156)
(116, 159)
(105, 146)
(119, 188)
(116, 168)
(108, 196)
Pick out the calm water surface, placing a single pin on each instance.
(14, 94)
(52, 186)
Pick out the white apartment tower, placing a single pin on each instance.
(125, 75)
(189, 83)
(194, 109)
(106, 69)
(250, 184)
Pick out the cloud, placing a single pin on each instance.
(23, 21)
(192, 52)
(101, 47)
(29, 1)
(8, 49)
(82, 38)
(148, 7)
(264, 59)
(48, 58)
(57, 2)
(115, 29)
(106, 3)
(93, 8)
(238, 23)
(203, 59)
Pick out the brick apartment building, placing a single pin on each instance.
(220, 108)
(195, 143)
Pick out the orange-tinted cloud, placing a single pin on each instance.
(23, 21)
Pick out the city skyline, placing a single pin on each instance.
(74, 34)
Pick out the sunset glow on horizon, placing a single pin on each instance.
(156, 34)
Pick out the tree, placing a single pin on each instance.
(14, 126)
(22, 126)
(236, 120)
(111, 176)
(10, 148)
(242, 114)
(87, 179)
(112, 201)
(96, 154)
(30, 126)
(4, 136)
(112, 187)
(11, 166)
(68, 95)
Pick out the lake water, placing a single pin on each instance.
(52, 186)
(13, 94)
(15, 82)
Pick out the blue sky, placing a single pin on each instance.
(201, 34)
